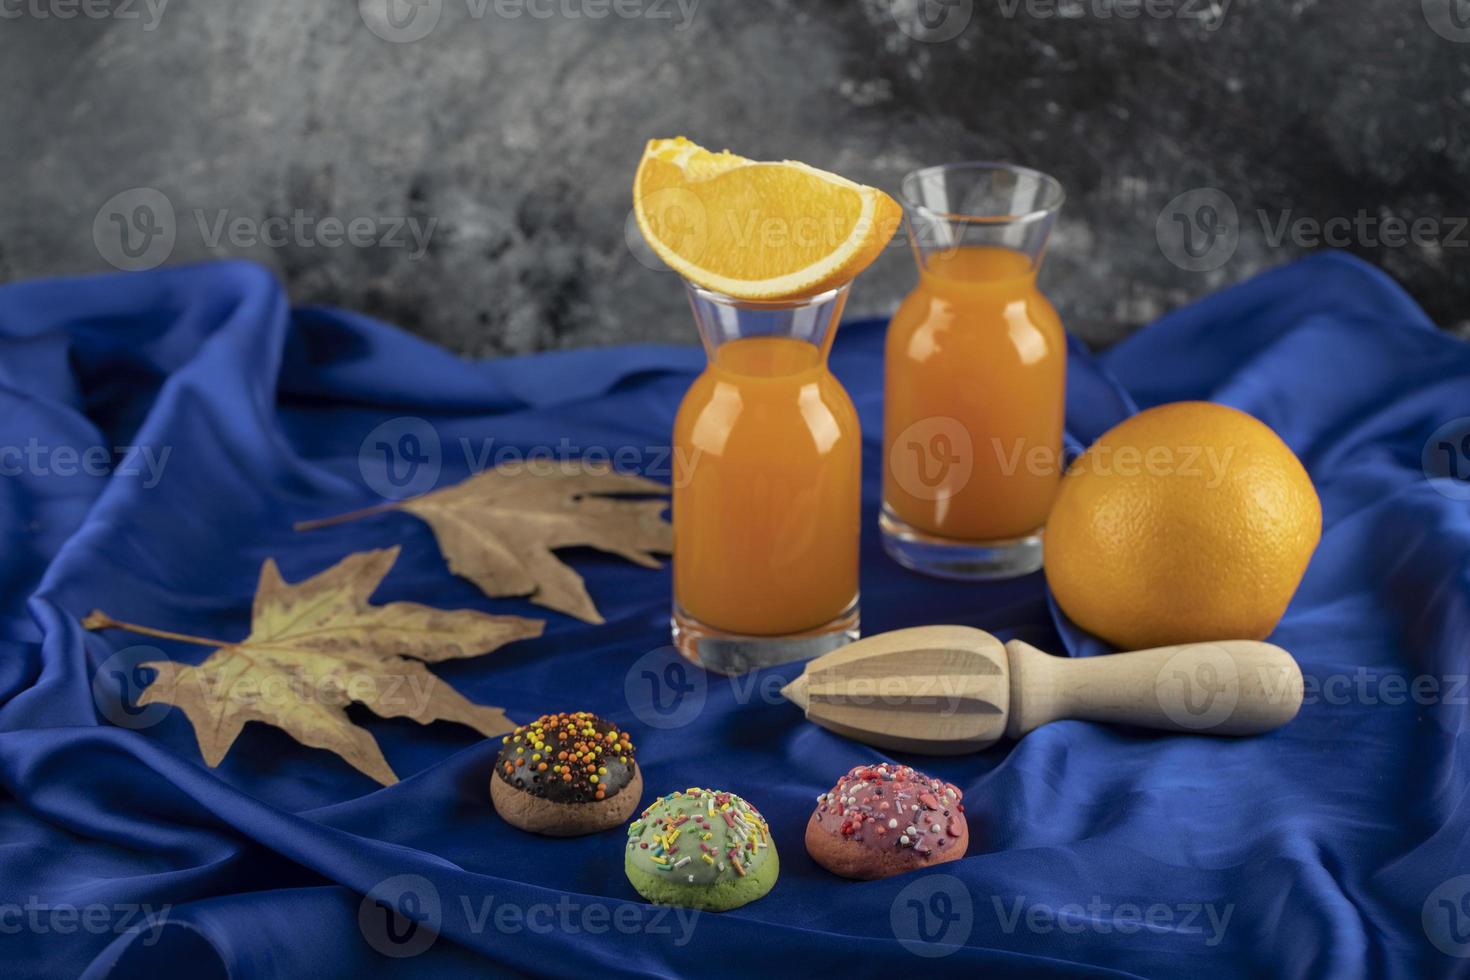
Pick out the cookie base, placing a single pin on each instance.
(848, 859)
(541, 816)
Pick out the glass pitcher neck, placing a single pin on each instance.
(723, 320)
(980, 221)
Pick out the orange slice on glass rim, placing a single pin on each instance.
(754, 230)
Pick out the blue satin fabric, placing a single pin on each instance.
(1329, 848)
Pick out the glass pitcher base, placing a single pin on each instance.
(952, 558)
(730, 654)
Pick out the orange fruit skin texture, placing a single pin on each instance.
(1187, 522)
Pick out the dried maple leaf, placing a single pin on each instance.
(316, 646)
(499, 529)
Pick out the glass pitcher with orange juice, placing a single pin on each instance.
(975, 376)
(767, 483)
(767, 453)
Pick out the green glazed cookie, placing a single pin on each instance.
(701, 849)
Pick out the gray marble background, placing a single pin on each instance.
(505, 134)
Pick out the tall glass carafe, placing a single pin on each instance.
(975, 376)
(767, 481)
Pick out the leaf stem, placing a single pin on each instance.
(99, 620)
(351, 515)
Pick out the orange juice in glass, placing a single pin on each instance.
(975, 376)
(767, 482)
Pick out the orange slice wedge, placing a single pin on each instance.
(757, 231)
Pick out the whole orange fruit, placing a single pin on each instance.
(1187, 522)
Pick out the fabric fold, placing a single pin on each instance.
(215, 417)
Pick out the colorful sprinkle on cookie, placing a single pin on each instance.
(567, 757)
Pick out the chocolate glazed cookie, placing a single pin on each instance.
(566, 774)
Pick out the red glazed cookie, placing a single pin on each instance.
(884, 820)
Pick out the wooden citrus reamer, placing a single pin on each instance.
(948, 690)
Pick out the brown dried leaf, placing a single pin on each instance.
(499, 529)
(316, 646)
